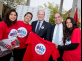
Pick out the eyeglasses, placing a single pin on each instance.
(57, 17)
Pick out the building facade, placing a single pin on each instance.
(1, 8)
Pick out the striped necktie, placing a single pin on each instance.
(37, 30)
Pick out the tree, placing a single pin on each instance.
(53, 10)
(13, 3)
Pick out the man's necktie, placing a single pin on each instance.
(57, 36)
(37, 30)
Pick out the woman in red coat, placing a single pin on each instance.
(72, 41)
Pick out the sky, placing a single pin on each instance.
(67, 4)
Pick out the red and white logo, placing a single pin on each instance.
(40, 49)
(13, 33)
(22, 32)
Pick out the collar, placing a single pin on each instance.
(41, 21)
(59, 24)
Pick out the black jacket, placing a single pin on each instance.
(43, 33)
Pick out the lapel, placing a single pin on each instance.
(42, 27)
(52, 31)
(34, 26)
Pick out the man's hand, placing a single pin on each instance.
(56, 46)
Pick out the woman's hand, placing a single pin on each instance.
(9, 47)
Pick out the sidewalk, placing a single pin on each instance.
(11, 59)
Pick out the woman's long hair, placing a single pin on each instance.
(67, 32)
(7, 20)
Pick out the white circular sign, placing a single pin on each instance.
(40, 49)
(13, 33)
(22, 32)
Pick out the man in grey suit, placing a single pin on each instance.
(40, 26)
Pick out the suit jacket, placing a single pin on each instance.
(52, 31)
(50, 39)
(43, 33)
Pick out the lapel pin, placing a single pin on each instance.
(42, 27)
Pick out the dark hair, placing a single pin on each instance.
(6, 18)
(58, 13)
(30, 14)
(67, 32)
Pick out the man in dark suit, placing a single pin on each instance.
(40, 27)
(56, 36)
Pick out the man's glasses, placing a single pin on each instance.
(57, 17)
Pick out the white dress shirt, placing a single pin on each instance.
(60, 34)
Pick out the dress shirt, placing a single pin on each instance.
(60, 34)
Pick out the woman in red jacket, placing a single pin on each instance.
(72, 41)
(7, 27)
(23, 28)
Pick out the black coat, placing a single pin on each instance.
(51, 30)
(43, 33)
